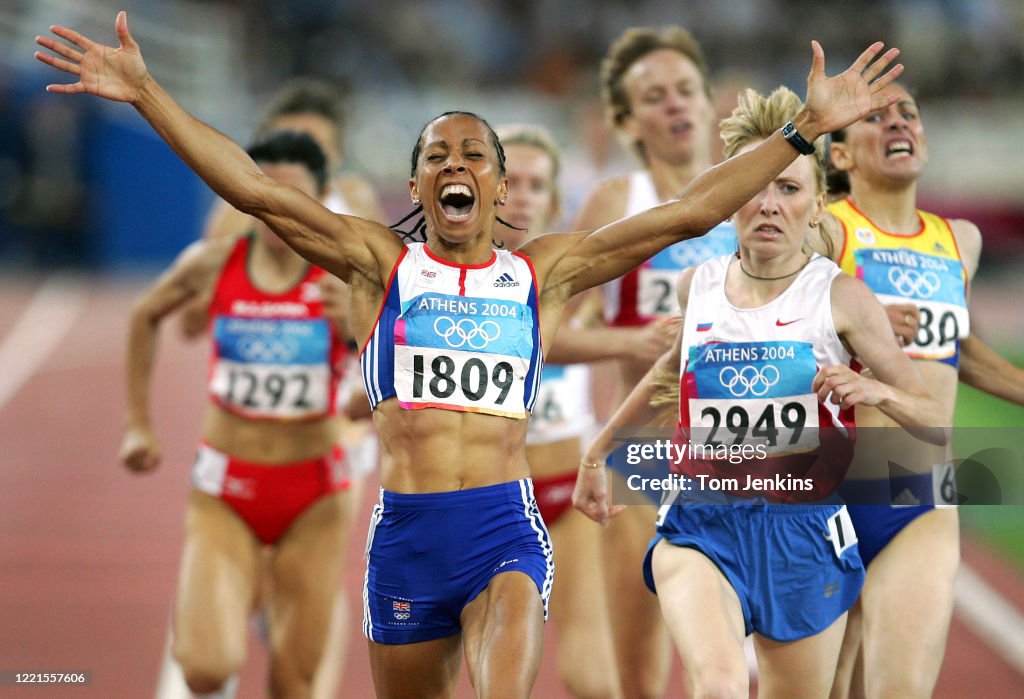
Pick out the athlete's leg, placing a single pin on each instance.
(641, 642)
(908, 603)
(799, 669)
(332, 664)
(578, 607)
(304, 574)
(219, 567)
(705, 619)
(425, 670)
(502, 634)
(848, 682)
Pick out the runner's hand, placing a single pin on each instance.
(140, 450)
(904, 318)
(114, 74)
(835, 103)
(591, 495)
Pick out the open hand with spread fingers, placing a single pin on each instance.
(836, 102)
(116, 74)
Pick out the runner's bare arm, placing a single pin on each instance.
(897, 389)
(340, 244)
(191, 276)
(982, 368)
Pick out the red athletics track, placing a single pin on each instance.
(89, 552)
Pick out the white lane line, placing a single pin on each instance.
(989, 615)
(38, 331)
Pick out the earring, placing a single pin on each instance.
(502, 200)
(814, 223)
(415, 201)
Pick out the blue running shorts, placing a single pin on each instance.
(882, 507)
(795, 568)
(428, 555)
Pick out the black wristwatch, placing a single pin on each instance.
(801, 144)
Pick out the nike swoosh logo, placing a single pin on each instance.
(788, 322)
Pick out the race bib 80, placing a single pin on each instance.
(934, 284)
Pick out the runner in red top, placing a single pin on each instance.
(267, 488)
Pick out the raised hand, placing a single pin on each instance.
(837, 102)
(114, 74)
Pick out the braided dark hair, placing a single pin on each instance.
(416, 234)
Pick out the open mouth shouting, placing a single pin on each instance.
(457, 202)
(899, 148)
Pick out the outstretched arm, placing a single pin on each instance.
(191, 276)
(982, 368)
(586, 260)
(590, 495)
(340, 244)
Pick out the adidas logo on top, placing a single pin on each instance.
(504, 280)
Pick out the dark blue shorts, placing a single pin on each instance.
(795, 568)
(430, 554)
(908, 497)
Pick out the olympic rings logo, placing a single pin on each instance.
(466, 332)
(684, 256)
(749, 380)
(910, 282)
(402, 616)
(267, 349)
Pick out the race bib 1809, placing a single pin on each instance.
(463, 353)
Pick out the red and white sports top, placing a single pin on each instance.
(274, 356)
(746, 379)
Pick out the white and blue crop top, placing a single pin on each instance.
(457, 337)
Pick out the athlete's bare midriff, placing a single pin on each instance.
(433, 450)
(269, 441)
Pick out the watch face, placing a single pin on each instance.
(790, 133)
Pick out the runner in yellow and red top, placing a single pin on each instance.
(901, 493)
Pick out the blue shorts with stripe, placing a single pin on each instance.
(794, 568)
(430, 554)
